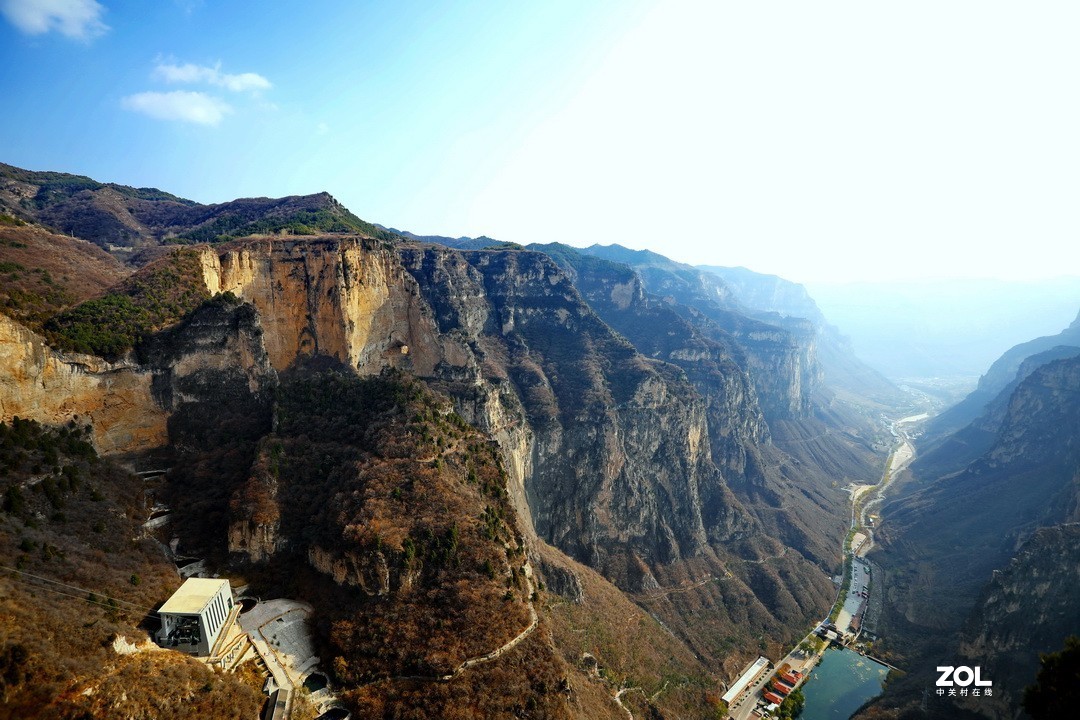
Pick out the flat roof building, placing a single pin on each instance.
(193, 617)
(749, 675)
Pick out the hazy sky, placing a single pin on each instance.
(815, 140)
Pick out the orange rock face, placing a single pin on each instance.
(40, 383)
(347, 298)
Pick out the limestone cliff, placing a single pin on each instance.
(617, 293)
(780, 356)
(612, 431)
(609, 453)
(40, 383)
(345, 298)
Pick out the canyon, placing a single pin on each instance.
(627, 472)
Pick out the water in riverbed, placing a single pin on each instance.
(840, 684)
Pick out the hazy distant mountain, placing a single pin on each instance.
(945, 328)
(770, 295)
(663, 276)
(460, 243)
(1013, 366)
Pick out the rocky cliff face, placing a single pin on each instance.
(609, 454)
(1024, 481)
(610, 430)
(52, 387)
(617, 294)
(215, 356)
(1027, 608)
(345, 298)
(781, 363)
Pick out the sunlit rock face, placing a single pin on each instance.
(40, 383)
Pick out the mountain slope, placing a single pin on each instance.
(121, 219)
(997, 378)
(1025, 480)
(780, 357)
(44, 273)
(82, 575)
(796, 502)
(769, 295)
(413, 438)
(607, 452)
(978, 560)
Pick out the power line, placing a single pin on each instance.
(133, 606)
(70, 587)
(79, 597)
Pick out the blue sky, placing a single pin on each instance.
(820, 141)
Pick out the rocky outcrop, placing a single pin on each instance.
(737, 427)
(370, 572)
(1026, 609)
(611, 431)
(40, 383)
(213, 358)
(345, 298)
(781, 360)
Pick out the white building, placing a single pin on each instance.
(192, 619)
(746, 680)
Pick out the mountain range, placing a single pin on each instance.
(621, 433)
(627, 474)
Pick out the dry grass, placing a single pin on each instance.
(80, 526)
(42, 273)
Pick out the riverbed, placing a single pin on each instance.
(840, 684)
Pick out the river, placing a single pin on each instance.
(841, 682)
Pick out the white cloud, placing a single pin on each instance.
(190, 73)
(77, 19)
(179, 105)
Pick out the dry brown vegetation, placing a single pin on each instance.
(528, 682)
(628, 648)
(408, 504)
(42, 273)
(69, 517)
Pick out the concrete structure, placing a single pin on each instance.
(193, 617)
(745, 680)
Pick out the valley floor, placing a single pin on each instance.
(844, 625)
